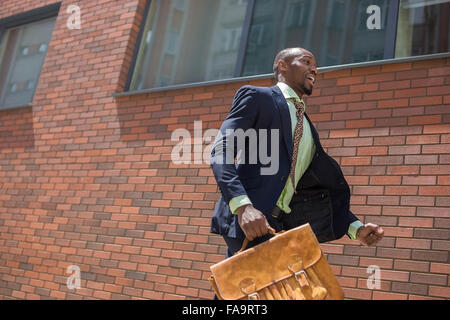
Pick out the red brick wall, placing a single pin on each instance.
(93, 184)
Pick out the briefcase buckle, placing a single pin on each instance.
(254, 295)
(301, 277)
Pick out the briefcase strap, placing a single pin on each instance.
(246, 241)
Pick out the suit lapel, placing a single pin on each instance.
(314, 134)
(286, 126)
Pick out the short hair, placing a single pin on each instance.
(283, 55)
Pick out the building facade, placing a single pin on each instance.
(91, 93)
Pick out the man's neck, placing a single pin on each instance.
(299, 93)
(288, 91)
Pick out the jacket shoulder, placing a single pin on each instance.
(255, 90)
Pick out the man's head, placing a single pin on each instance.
(296, 67)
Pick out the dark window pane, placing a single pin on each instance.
(187, 41)
(335, 31)
(22, 54)
(423, 27)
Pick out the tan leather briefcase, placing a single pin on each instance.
(289, 266)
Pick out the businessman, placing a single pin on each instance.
(308, 185)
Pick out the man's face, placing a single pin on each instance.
(300, 72)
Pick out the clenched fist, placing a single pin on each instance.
(253, 222)
(369, 234)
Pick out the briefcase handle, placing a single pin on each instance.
(246, 241)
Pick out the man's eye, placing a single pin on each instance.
(307, 61)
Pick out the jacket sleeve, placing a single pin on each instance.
(243, 115)
(353, 225)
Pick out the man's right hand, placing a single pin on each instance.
(253, 222)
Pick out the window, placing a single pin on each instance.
(189, 41)
(423, 27)
(328, 28)
(22, 53)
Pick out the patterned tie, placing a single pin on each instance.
(298, 133)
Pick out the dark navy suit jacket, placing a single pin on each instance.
(266, 108)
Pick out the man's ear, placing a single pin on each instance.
(282, 66)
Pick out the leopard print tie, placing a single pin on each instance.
(298, 133)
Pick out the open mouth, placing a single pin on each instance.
(311, 78)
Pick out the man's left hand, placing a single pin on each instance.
(369, 234)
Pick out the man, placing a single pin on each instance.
(307, 187)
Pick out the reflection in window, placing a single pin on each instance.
(22, 53)
(423, 27)
(189, 41)
(334, 30)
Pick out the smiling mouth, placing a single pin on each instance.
(311, 78)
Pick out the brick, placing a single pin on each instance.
(411, 74)
(409, 288)
(363, 87)
(394, 253)
(413, 243)
(419, 180)
(368, 151)
(391, 103)
(400, 190)
(389, 141)
(440, 244)
(432, 190)
(395, 275)
(351, 142)
(359, 294)
(348, 98)
(399, 211)
(435, 169)
(422, 139)
(379, 295)
(389, 85)
(385, 180)
(427, 82)
(404, 150)
(421, 159)
(349, 81)
(428, 278)
(383, 200)
(343, 133)
(440, 268)
(439, 71)
(355, 161)
(438, 291)
(430, 255)
(411, 265)
(432, 129)
(410, 93)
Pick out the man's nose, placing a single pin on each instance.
(314, 69)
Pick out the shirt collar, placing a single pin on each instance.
(288, 92)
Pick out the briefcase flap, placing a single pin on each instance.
(267, 263)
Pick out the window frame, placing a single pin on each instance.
(388, 56)
(24, 18)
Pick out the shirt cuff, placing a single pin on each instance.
(354, 226)
(237, 202)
